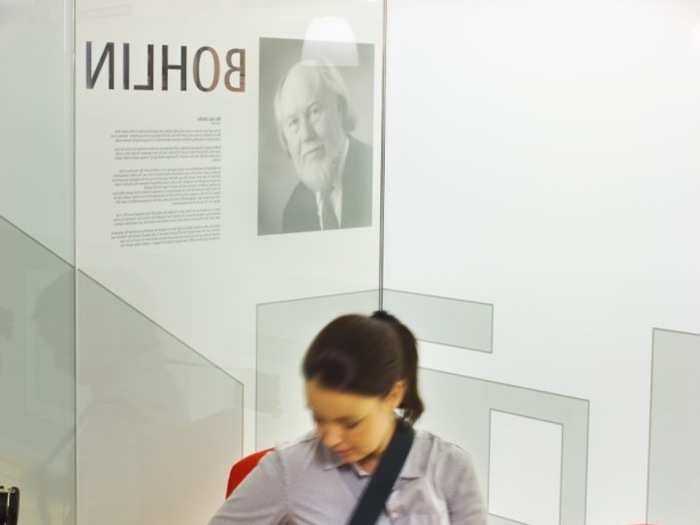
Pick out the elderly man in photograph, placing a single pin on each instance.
(334, 169)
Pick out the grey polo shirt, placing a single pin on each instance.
(304, 483)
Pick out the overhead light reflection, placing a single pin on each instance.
(331, 39)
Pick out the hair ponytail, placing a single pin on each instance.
(412, 404)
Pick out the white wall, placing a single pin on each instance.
(543, 156)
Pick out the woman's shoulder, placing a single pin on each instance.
(301, 453)
(438, 444)
(305, 442)
(437, 455)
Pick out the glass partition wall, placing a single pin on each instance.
(37, 272)
(543, 163)
(173, 175)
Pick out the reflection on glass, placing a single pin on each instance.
(158, 425)
(37, 379)
(331, 39)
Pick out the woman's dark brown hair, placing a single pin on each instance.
(366, 356)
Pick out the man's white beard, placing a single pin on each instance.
(317, 175)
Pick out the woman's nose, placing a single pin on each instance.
(330, 436)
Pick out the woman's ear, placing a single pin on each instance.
(397, 393)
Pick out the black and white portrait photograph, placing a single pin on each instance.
(315, 136)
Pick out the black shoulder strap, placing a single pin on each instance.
(382, 481)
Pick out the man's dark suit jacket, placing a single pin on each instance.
(301, 212)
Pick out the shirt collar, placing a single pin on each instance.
(414, 467)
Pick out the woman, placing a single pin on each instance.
(361, 387)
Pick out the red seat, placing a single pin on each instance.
(242, 468)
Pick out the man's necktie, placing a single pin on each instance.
(330, 221)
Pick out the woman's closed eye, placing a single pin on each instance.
(349, 425)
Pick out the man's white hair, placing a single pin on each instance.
(329, 77)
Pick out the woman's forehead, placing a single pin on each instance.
(334, 404)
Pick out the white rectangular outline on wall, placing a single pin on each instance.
(561, 462)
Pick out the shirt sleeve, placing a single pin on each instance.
(261, 499)
(464, 502)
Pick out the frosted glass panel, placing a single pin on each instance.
(37, 378)
(157, 422)
(196, 200)
(130, 381)
(542, 156)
